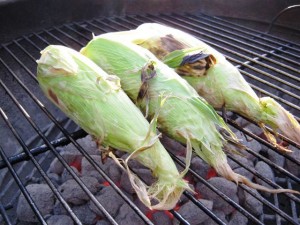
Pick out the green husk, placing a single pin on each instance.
(218, 81)
(184, 116)
(96, 102)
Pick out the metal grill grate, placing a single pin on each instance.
(269, 64)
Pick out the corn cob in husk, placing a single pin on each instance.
(184, 115)
(96, 102)
(213, 77)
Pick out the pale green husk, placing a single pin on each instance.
(221, 85)
(96, 102)
(185, 116)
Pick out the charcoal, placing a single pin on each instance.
(74, 194)
(193, 214)
(125, 183)
(238, 218)
(89, 145)
(291, 166)
(60, 220)
(55, 179)
(227, 187)
(23, 223)
(276, 158)
(249, 143)
(178, 166)
(85, 214)
(141, 205)
(102, 222)
(244, 172)
(56, 167)
(254, 128)
(43, 198)
(220, 214)
(145, 175)
(265, 170)
(86, 166)
(207, 203)
(252, 204)
(67, 176)
(87, 169)
(133, 164)
(70, 149)
(200, 167)
(59, 209)
(110, 200)
(127, 216)
(241, 159)
(183, 198)
(173, 146)
(113, 170)
(161, 217)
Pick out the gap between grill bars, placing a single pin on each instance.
(258, 56)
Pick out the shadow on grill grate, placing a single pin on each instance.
(32, 130)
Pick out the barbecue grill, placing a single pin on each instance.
(32, 129)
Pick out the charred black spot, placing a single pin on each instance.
(148, 72)
(194, 58)
(199, 67)
(171, 44)
(142, 92)
(53, 96)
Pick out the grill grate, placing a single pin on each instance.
(269, 64)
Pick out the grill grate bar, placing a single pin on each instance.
(262, 91)
(179, 217)
(292, 203)
(275, 208)
(4, 214)
(266, 82)
(205, 209)
(291, 196)
(131, 204)
(278, 219)
(189, 28)
(67, 35)
(249, 31)
(39, 168)
(78, 33)
(262, 141)
(279, 46)
(22, 187)
(41, 149)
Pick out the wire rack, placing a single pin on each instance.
(269, 64)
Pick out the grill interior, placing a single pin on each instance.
(33, 127)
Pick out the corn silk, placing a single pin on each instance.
(214, 78)
(96, 102)
(184, 115)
